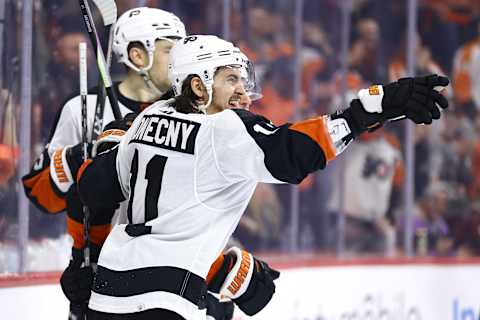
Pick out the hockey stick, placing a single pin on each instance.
(108, 11)
(95, 40)
(78, 310)
(83, 96)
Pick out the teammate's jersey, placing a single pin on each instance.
(46, 185)
(188, 179)
(67, 131)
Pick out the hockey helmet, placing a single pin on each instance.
(144, 25)
(202, 55)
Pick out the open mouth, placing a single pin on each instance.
(234, 102)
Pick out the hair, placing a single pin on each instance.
(186, 102)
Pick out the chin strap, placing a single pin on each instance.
(148, 81)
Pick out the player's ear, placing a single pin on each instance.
(198, 88)
(138, 56)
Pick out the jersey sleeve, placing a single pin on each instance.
(38, 184)
(67, 130)
(105, 180)
(249, 146)
(98, 181)
(39, 188)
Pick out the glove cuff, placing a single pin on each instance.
(360, 120)
(238, 279)
(371, 98)
(107, 140)
(60, 171)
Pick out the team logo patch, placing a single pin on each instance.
(374, 91)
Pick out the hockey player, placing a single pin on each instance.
(142, 40)
(188, 167)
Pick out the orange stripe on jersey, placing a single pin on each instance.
(75, 230)
(40, 191)
(317, 130)
(82, 168)
(216, 265)
(98, 233)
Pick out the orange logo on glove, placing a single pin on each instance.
(241, 274)
(60, 171)
(373, 91)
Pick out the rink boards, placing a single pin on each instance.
(314, 289)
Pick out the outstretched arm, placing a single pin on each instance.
(249, 146)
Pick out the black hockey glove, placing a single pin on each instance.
(76, 280)
(122, 124)
(74, 156)
(414, 98)
(246, 280)
(112, 133)
(219, 310)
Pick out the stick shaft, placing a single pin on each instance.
(101, 62)
(83, 96)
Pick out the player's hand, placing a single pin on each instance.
(217, 310)
(246, 280)
(76, 280)
(417, 99)
(113, 133)
(122, 124)
(74, 156)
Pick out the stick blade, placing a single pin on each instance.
(108, 10)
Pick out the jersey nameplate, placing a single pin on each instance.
(167, 133)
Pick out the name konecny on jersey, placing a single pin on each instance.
(167, 132)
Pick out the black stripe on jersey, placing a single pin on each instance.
(150, 279)
(167, 132)
(289, 155)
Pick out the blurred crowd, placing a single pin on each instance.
(359, 198)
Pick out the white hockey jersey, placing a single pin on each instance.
(188, 179)
(67, 131)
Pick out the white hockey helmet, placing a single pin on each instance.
(144, 25)
(202, 55)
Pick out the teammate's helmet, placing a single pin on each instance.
(202, 55)
(144, 25)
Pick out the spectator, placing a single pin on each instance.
(366, 55)
(466, 76)
(431, 231)
(424, 62)
(62, 73)
(375, 164)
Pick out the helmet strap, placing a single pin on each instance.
(148, 81)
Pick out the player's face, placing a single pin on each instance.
(228, 91)
(159, 70)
